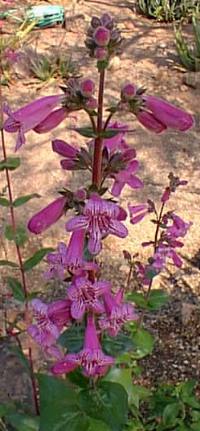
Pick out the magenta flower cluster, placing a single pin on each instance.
(113, 165)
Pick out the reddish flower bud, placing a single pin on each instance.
(91, 104)
(101, 53)
(128, 91)
(102, 36)
(87, 87)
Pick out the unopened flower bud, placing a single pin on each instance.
(87, 87)
(101, 53)
(95, 22)
(91, 104)
(128, 91)
(80, 194)
(102, 36)
(107, 21)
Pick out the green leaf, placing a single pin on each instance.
(8, 263)
(170, 414)
(6, 408)
(115, 346)
(138, 299)
(110, 133)
(4, 202)
(139, 393)
(96, 425)
(123, 376)
(19, 236)
(16, 288)
(10, 163)
(143, 342)
(22, 422)
(87, 132)
(108, 403)
(59, 406)
(23, 199)
(157, 299)
(73, 338)
(36, 258)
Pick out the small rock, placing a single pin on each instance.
(192, 79)
(162, 45)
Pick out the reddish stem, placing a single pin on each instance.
(18, 251)
(97, 161)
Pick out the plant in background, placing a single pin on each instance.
(168, 10)
(47, 66)
(93, 333)
(189, 54)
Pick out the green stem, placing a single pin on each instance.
(97, 161)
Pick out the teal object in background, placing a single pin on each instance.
(46, 16)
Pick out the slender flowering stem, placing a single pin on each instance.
(97, 162)
(18, 251)
(108, 120)
(159, 218)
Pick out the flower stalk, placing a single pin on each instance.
(97, 161)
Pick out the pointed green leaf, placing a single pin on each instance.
(96, 425)
(107, 403)
(123, 376)
(8, 263)
(16, 288)
(157, 299)
(19, 236)
(138, 298)
(36, 258)
(72, 338)
(10, 163)
(4, 202)
(171, 413)
(143, 342)
(115, 346)
(6, 408)
(87, 132)
(22, 422)
(23, 199)
(59, 406)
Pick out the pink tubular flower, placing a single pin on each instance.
(52, 121)
(99, 219)
(126, 176)
(178, 228)
(28, 117)
(47, 216)
(117, 312)
(68, 151)
(138, 212)
(84, 296)
(69, 258)
(150, 122)
(91, 359)
(50, 320)
(56, 263)
(168, 114)
(116, 143)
